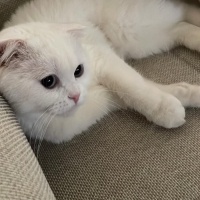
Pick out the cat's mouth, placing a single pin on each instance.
(69, 112)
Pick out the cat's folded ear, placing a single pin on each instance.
(10, 49)
(76, 30)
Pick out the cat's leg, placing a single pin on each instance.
(187, 34)
(187, 94)
(158, 106)
(99, 102)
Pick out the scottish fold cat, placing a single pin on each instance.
(63, 69)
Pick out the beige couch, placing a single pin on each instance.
(122, 157)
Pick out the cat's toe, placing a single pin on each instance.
(171, 113)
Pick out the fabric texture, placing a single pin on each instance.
(20, 174)
(7, 7)
(121, 157)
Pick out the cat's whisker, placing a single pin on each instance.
(107, 109)
(40, 126)
(115, 103)
(118, 107)
(43, 130)
(42, 135)
(105, 90)
(39, 118)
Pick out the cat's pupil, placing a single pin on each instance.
(79, 71)
(50, 81)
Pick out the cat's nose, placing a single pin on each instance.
(74, 97)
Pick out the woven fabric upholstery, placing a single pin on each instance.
(121, 157)
(20, 174)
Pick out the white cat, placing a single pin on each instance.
(62, 62)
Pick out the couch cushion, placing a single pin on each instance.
(7, 7)
(126, 157)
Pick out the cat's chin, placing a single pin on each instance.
(69, 112)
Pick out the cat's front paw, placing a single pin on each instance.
(170, 113)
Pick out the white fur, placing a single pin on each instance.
(99, 34)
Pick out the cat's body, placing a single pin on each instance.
(109, 32)
(135, 28)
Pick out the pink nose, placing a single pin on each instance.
(74, 97)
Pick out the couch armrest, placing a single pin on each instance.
(20, 174)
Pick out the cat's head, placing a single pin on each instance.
(43, 67)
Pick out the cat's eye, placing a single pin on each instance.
(79, 71)
(50, 81)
